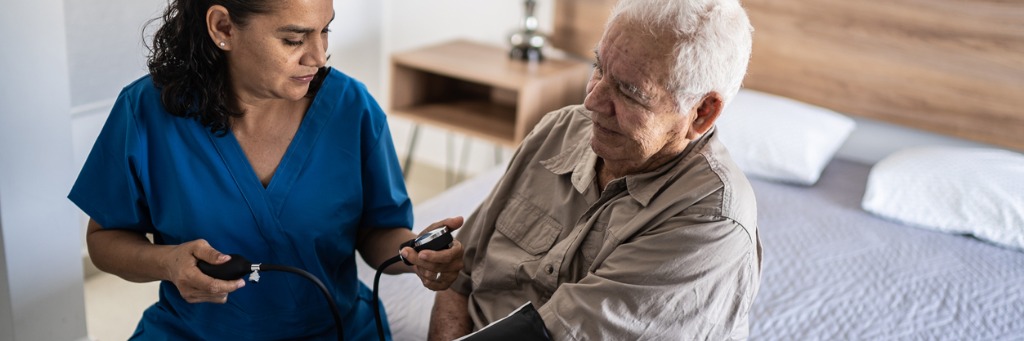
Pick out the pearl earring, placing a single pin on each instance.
(222, 44)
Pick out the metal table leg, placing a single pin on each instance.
(410, 151)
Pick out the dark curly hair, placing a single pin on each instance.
(189, 69)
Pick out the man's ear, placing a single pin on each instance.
(704, 114)
(218, 23)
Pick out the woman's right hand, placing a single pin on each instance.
(195, 286)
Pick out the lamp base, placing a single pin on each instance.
(527, 53)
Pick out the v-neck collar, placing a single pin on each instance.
(294, 157)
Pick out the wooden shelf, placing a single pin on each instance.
(477, 90)
(478, 118)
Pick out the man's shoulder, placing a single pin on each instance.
(716, 183)
(735, 194)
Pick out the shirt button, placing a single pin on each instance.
(549, 269)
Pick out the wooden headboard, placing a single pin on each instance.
(954, 67)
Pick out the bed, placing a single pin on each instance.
(833, 270)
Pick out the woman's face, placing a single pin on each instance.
(275, 55)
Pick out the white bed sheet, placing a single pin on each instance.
(831, 270)
(834, 272)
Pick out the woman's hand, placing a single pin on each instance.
(195, 286)
(437, 269)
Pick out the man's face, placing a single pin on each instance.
(636, 118)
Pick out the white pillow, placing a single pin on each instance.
(977, 191)
(781, 139)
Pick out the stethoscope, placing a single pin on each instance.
(437, 239)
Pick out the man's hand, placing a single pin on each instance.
(195, 286)
(437, 269)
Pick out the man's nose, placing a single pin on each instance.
(597, 99)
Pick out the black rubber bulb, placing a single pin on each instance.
(234, 269)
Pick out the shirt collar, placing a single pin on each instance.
(580, 160)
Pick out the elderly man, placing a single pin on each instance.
(625, 218)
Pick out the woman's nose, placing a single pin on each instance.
(317, 53)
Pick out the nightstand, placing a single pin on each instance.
(477, 90)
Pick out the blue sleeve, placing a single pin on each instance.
(386, 202)
(109, 188)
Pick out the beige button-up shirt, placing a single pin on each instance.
(671, 254)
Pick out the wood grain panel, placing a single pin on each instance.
(579, 25)
(954, 67)
(948, 66)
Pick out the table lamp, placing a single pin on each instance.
(527, 42)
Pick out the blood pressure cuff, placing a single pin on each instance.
(523, 324)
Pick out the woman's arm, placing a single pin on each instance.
(131, 256)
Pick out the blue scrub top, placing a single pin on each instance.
(153, 172)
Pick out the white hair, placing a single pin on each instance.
(713, 43)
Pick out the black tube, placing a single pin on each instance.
(319, 284)
(238, 267)
(376, 297)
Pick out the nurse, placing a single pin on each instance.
(240, 140)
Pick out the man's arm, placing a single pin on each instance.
(450, 317)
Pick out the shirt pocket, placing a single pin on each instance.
(527, 225)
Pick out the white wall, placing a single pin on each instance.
(413, 23)
(41, 294)
(105, 55)
(102, 57)
(355, 41)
